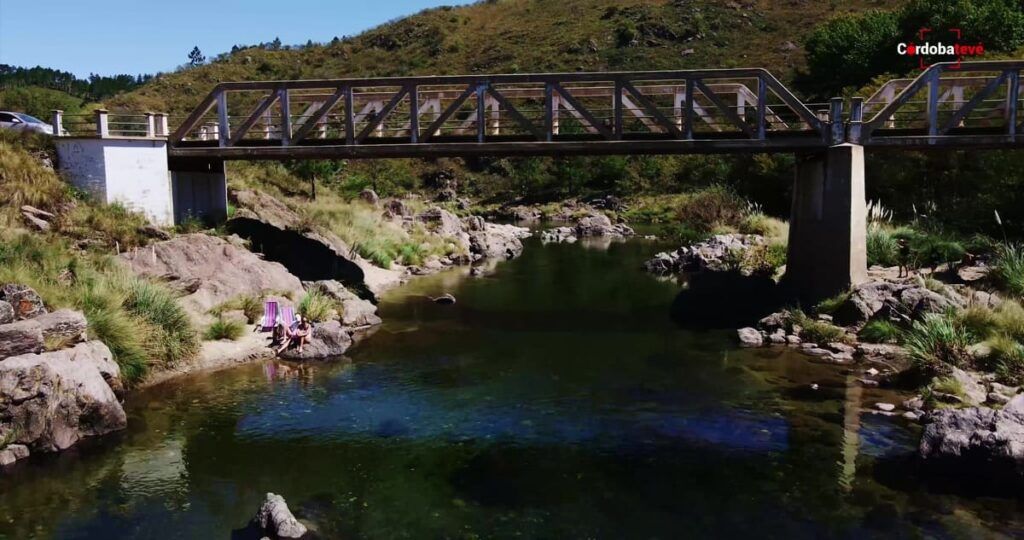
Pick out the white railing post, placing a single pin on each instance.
(102, 123)
(161, 125)
(150, 125)
(57, 122)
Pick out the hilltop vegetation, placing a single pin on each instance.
(524, 36)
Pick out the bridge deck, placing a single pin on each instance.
(702, 111)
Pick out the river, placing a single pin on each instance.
(555, 399)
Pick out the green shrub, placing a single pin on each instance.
(937, 342)
(882, 247)
(765, 259)
(816, 331)
(831, 305)
(1008, 269)
(137, 320)
(715, 205)
(979, 321)
(177, 340)
(411, 254)
(880, 331)
(248, 304)
(224, 329)
(948, 385)
(318, 307)
(1006, 358)
(1010, 318)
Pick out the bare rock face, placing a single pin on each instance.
(64, 324)
(6, 312)
(328, 340)
(444, 223)
(20, 337)
(281, 235)
(356, 312)
(52, 400)
(218, 269)
(26, 302)
(275, 519)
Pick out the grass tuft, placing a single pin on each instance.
(224, 329)
(1008, 269)
(880, 331)
(318, 307)
(937, 342)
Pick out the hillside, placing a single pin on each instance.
(510, 36)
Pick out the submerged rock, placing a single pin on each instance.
(52, 400)
(444, 299)
(274, 518)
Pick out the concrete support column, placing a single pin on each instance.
(828, 223)
(150, 125)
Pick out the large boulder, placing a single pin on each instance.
(219, 270)
(444, 224)
(20, 337)
(977, 440)
(25, 301)
(328, 340)
(52, 400)
(355, 311)
(275, 519)
(497, 241)
(864, 302)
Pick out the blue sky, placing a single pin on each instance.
(146, 36)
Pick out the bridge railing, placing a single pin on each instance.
(977, 100)
(711, 105)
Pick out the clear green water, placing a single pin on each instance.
(556, 399)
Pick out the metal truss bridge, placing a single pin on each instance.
(649, 112)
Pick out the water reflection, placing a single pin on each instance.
(555, 399)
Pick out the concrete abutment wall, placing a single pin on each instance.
(828, 223)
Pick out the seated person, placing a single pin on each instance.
(300, 335)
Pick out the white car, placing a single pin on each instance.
(23, 122)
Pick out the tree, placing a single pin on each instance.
(196, 58)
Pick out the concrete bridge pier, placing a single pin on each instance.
(198, 189)
(828, 223)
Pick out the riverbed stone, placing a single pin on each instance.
(974, 390)
(750, 337)
(887, 407)
(497, 241)
(276, 519)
